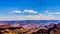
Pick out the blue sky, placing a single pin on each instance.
(36, 9)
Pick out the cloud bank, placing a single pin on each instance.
(40, 16)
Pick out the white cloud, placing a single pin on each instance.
(55, 13)
(15, 11)
(47, 12)
(29, 11)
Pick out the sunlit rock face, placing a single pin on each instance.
(2, 25)
(15, 25)
(31, 26)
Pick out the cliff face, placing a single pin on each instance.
(31, 26)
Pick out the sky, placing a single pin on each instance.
(29, 9)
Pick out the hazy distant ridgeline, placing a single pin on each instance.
(22, 22)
